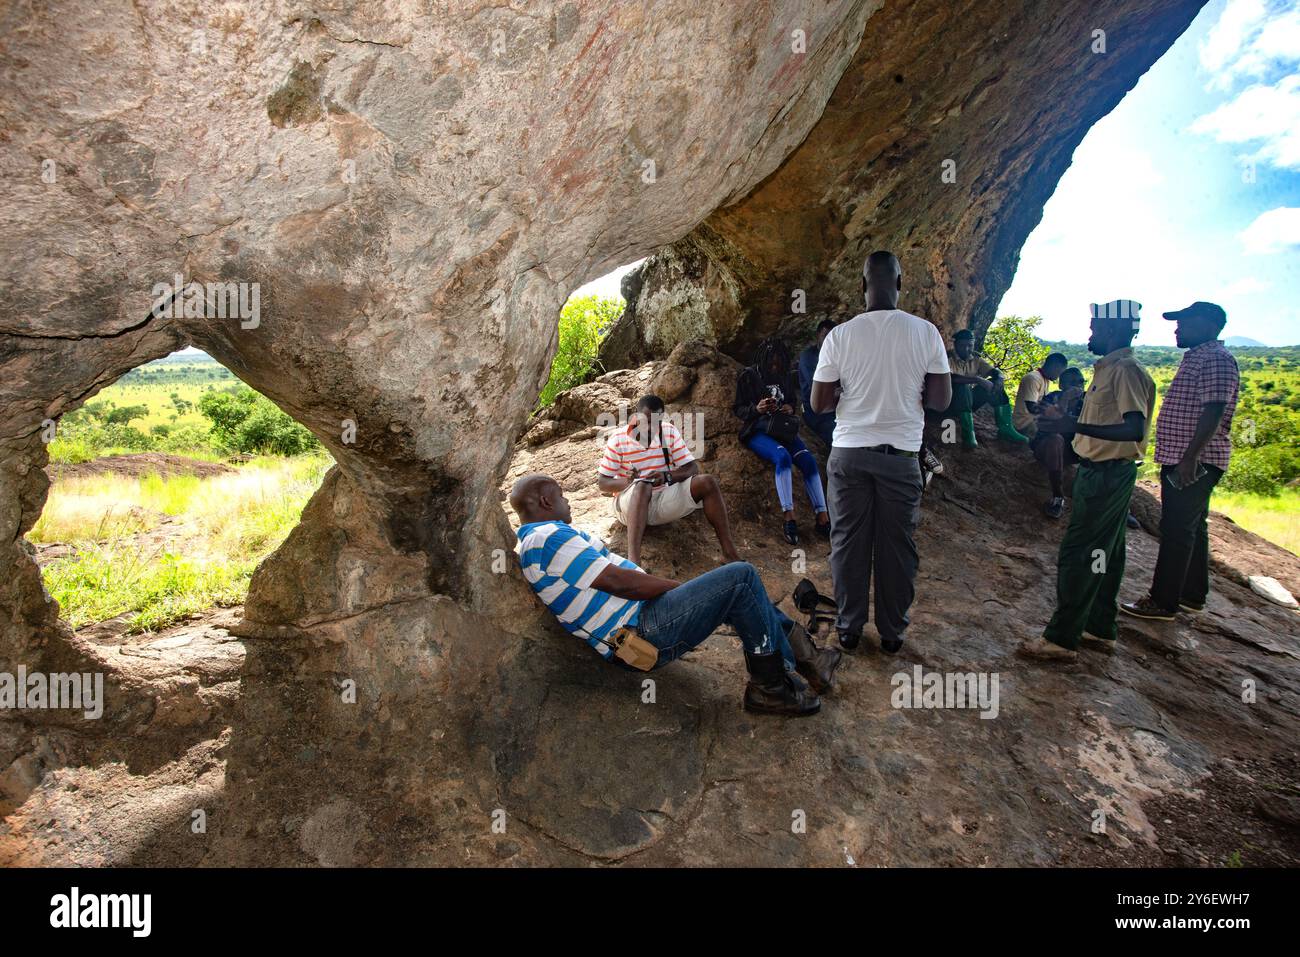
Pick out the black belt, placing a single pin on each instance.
(1109, 463)
(890, 450)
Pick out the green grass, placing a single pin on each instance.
(227, 525)
(1275, 517)
(157, 588)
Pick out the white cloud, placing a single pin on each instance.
(1250, 40)
(1245, 286)
(1229, 38)
(1273, 231)
(1267, 114)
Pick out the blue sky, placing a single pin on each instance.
(1159, 205)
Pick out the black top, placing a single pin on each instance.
(751, 389)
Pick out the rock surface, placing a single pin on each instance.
(918, 151)
(412, 190)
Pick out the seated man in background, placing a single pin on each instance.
(823, 423)
(1049, 448)
(655, 480)
(1069, 399)
(643, 622)
(976, 383)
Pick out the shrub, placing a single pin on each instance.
(583, 321)
(246, 421)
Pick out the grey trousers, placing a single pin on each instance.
(875, 502)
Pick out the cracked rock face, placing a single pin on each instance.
(413, 191)
(942, 141)
(407, 193)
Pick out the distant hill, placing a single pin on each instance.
(1243, 342)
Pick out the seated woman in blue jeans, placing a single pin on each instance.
(767, 393)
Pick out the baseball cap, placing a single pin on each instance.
(1207, 310)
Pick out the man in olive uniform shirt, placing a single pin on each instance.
(977, 382)
(1110, 438)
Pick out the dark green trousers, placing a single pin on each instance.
(966, 399)
(1090, 566)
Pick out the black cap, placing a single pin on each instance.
(963, 334)
(1207, 310)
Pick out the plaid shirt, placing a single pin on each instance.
(1208, 373)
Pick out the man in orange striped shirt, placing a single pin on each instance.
(655, 480)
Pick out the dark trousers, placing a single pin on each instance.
(966, 398)
(823, 423)
(1183, 568)
(875, 504)
(1090, 565)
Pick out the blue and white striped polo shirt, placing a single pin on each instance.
(561, 562)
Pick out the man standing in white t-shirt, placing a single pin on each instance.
(874, 373)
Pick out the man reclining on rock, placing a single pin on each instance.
(641, 621)
(655, 480)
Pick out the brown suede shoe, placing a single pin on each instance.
(1044, 650)
(1093, 643)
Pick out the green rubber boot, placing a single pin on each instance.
(967, 420)
(1007, 431)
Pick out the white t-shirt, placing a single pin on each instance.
(880, 360)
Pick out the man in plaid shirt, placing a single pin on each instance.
(1193, 446)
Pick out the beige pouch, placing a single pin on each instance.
(635, 651)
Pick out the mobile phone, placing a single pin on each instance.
(1172, 476)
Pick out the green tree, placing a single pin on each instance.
(126, 413)
(583, 321)
(1011, 345)
(246, 421)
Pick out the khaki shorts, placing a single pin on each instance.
(668, 503)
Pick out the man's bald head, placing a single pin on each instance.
(538, 498)
(882, 278)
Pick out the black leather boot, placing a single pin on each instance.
(816, 664)
(773, 690)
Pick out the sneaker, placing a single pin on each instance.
(791, 532)
(1132, 521)
(891, 646)
(1055, 508)
(1146, 608)
(1191, 606)
(849, 641)
(932, 463)
(823, 530)
(1044, 650)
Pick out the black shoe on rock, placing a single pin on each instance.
(891, 646)
(849, 641)
(773, 690)
(791, 532)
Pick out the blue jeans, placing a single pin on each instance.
(784, 457)
(680, 619)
